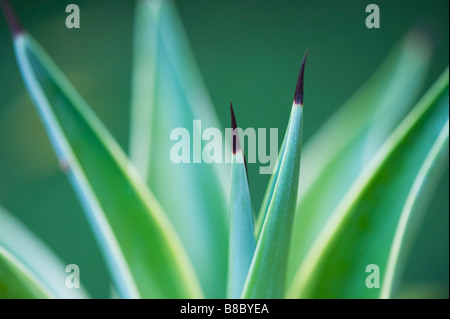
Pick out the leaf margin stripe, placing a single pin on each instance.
(306, 269)
(41, 291)
(125, 281)
(440, 145)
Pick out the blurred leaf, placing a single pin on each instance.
(242, 237)
(39, 260)
(168, 93)
(336, 155)
(16, 281)
(423, 290)
(145, 257)
(371, 224)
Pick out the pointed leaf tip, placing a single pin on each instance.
(233, 118)
(236, 146)
(235, 135)
(13, 22)
(298, 98)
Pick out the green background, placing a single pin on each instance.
(248, 52)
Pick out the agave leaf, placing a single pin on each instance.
(242, 238)
(418, 198)
(336, 155)
(371, 224)
(270, 189)
(144, 255)
(266, 277)
(167, 94)
(16, 281)
(36, 257)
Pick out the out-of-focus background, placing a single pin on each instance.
(248, 52)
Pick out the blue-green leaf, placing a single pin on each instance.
(370, 228)
(266, 278)
(168, 93)
(16, 281)
(336, 155)
(141, 248)
(242, 237)
(42, 265)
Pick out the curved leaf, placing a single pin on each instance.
(143, 252)
(336, 155)
(369, 225)
(34, 255)
(16, 282)
(168, 94)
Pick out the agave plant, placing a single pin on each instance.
(170, 230)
